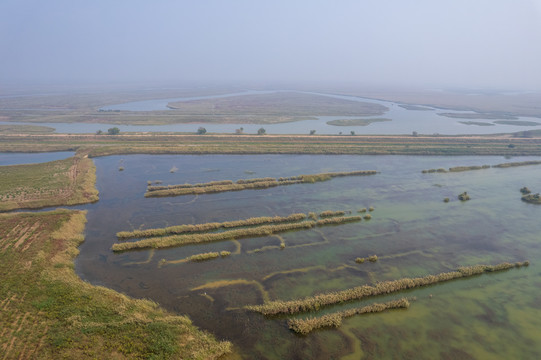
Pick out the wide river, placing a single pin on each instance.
(404, 121)
(412, 231)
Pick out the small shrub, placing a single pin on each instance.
(368, 217)
(363, 210)
(373, 258)
(446, 200)
(359, 260)
(371, 208)
(464, 196)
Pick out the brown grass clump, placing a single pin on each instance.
(373, 258)
(363, 210)
(204, 256)
(316, 302)
(225, 253)
(367, 217)
(305, 326)
(359, 260)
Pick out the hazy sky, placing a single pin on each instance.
(466, 43)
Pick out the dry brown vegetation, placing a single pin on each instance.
(182, 229)
(245, 184)
(316, 302)
(305, 326)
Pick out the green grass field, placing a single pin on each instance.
(61, 182)
(48, 312)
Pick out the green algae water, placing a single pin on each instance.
(412, 231)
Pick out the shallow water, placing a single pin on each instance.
(413, 232)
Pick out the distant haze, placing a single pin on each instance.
(430, 43)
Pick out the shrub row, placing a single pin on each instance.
(182, 229)
(316, 302)
(305, 326)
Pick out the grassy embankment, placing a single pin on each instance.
(245, 184)
(102, 145)
(48, 312)
(316, 302)
(356, 122)
(201, 233)
(61, 182)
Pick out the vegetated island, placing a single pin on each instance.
(415, 107)
(277, 107)
(48, 312)
(487, 116)
(477, 123)
(517, 123)
(62, 182)
(356, 122)
(244, 184)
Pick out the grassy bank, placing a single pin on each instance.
(101, 145)
(47, 312)
(62, 182)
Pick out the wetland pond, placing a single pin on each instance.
(412, 231)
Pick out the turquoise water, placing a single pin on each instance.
(413, 232)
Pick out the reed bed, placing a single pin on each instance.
(532, 198)
(245, 184)
(521, 163)
(181, 240)
(330, 213)
(305, 326)
(337, 220)
(468, 168)
(203, 256)
(316, 302)
(183, 229)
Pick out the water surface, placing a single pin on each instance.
(413, 232)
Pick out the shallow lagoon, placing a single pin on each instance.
(413, 232)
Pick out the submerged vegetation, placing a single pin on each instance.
(316, 302)
(305, 326)
(245, 184)
(48, 312)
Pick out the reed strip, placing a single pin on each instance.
(244, 184)
(305, 326)
(316, 302)
(189, 228)
(330, 213)
(337, 220)
(180, 240)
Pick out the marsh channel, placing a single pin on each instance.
(412, 231)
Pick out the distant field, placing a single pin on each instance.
(62, 182)
(48, 312)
